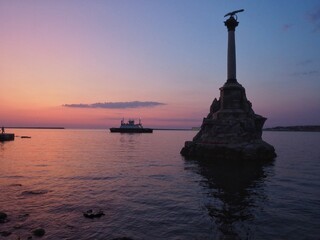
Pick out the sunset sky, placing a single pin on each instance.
(88, 64)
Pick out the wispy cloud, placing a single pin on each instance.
(306, 73)
(115, 105)
(314, 17)
(305, 62)
(306, 67)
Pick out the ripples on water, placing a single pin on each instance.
(148, 191)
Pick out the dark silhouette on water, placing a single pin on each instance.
(131, 127)
(232, 130)
(6, 136)
(233, 190)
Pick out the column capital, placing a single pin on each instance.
(231, 23)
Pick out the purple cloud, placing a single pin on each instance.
(314, 17)
(116, 105)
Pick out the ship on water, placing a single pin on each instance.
(131, 127)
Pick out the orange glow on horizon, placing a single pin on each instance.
(163, 116)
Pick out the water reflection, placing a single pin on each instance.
(234, 192)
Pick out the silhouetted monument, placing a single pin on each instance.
(231, 130)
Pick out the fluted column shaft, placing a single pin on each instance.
(231, 72)
(231, 24)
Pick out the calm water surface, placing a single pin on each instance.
(148, 191)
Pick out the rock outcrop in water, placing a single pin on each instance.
(232, 130)
(93, 214)
(3, 217)
(39, 232)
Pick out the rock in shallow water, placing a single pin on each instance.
(3, 217)
(93, 214)
(5, 233)
(35, 192)
(39, 232)
(122, 238)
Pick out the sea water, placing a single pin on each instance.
(147, 190)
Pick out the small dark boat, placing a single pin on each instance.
(131, 127)
(25, 137)
(6, 137)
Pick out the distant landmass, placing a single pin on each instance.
(38, 127)
(306, 128)
(174, 129)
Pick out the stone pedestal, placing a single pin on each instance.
(231, 130)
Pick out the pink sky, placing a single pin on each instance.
(172, 53)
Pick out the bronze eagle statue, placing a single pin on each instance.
(231, 14)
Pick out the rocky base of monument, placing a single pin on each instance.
(257, 150)
(231, 131)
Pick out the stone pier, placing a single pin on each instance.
(232, 130)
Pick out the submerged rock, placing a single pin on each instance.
(93, 214)
(3, 217)
(122, 238)
(24, 216)
(39, 232)
(5, 233)
(35, 192)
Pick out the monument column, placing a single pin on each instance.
(231, 24)
(232, 131)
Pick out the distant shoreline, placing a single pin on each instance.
(37, 127)
(302, 128)
(174, 129)
(313, 128)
